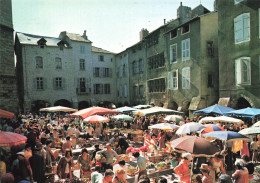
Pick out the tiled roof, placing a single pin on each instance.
(100, 50)
(31, 39)
(77, 37)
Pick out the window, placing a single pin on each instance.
(156, 61)
(106, 72)
(58, 83)
(173, 79)
(81, 85)
(259, 21)
(141, 65)
(58, 63)
(106, 88)
(101, 58)
(98, 88)
(185, 29)
(210, 80)
(210, 48)
(96, 72)
(243, 71)
(242, 28)
(141, 90)
(39, 62)
(135, 91)
(82, 49)
(173, 34)
(156, 85)
(136, 67)
(186, 78)
(185, 49)
(39, 83)
(82, 64)
(237, 1)
(125, 90)
(173, 53)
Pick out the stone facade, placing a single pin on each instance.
(196, 26)
(61, 71)
(8, 89)
(239, 53)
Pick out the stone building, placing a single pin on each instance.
(65, 71)
(192, 60)
(239, 52)
(8, 89)
(176, 65)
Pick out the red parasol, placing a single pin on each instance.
(6, 114)
(84, 113)
(8, 139)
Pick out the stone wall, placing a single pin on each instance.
(8, 91)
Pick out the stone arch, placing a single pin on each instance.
(37, 104)
(83, 105)
(173, 105)
(161, 104)
(119, 104)
(240, 103)
(63, 102)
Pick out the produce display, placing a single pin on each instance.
(131, 170)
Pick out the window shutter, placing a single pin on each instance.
(246, 26)
(177, 80)
(125, 91)
(238, 29)
(54, 83)
(94, 86)
(101, 88)
(63, 83)
(183, 50)
(45, 83)
(94, 73)
(238, 71)
(110, 72)
(188, 49)
(34, 84)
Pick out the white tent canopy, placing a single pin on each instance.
(155, 110)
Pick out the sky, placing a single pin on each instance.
(113, 25)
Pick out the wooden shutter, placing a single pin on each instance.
(238, 72)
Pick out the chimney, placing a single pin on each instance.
(143, 34)
(164, 21)
(85, 35)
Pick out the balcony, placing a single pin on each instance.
(83, 91)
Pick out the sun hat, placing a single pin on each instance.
(187, 156)
(239, 162)
(20, 153)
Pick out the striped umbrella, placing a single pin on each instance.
(211, 128)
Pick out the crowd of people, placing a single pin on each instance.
(31, 162)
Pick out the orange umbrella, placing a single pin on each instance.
(84, 113)
(212, 128)
(6, 114)
(8, 139)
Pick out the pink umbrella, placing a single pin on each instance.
(96, 119)
(8, 139)
(84, 113)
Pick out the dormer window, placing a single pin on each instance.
(42, 42)
(185, 29)
(173, 33)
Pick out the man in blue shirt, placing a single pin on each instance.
(141, 164)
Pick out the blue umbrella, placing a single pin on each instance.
(226, 135)
(246, 112)
(215, 109)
